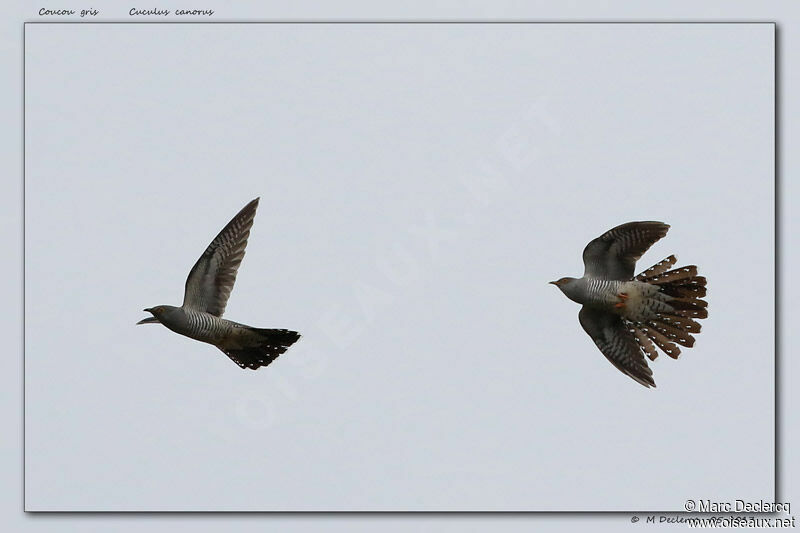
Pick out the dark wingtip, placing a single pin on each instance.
(249, 209)
(251, 205)
(644, 380)
(662, 225)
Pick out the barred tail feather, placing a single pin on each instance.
(282, 337)
(658, 268)
(673, 333)
(681, 322)
(273, 343)
(645, 343)
(689, 304)
(667, 346)
(673, 276)
(691, 313)
(685, 289)
(682, 284)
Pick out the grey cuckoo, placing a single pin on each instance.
(207, 290)
(626, 315)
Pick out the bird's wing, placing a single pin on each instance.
(613, 254)
(211, 280)
(615, 340)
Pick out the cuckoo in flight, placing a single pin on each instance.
(626, 315)
(207, 290)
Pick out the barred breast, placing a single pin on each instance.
(206, 327)
(602, 293)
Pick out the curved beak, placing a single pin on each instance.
(148, 320)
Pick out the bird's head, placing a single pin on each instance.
(566, 286)
(159, 312)
(560, 283)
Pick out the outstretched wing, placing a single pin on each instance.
(617, 343)
(211, 280)
(613, 254)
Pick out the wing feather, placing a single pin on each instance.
(211, 280)
(613, 254)
(615, 340)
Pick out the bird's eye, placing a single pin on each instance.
(159, 309)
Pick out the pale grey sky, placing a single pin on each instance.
(420, 184)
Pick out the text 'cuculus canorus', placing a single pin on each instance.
(207, 290)
(624, 315)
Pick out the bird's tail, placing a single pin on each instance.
(270, 344)
(685, 290)
(282, 337)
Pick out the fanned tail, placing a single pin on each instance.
(271, 344)
(685, 289)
